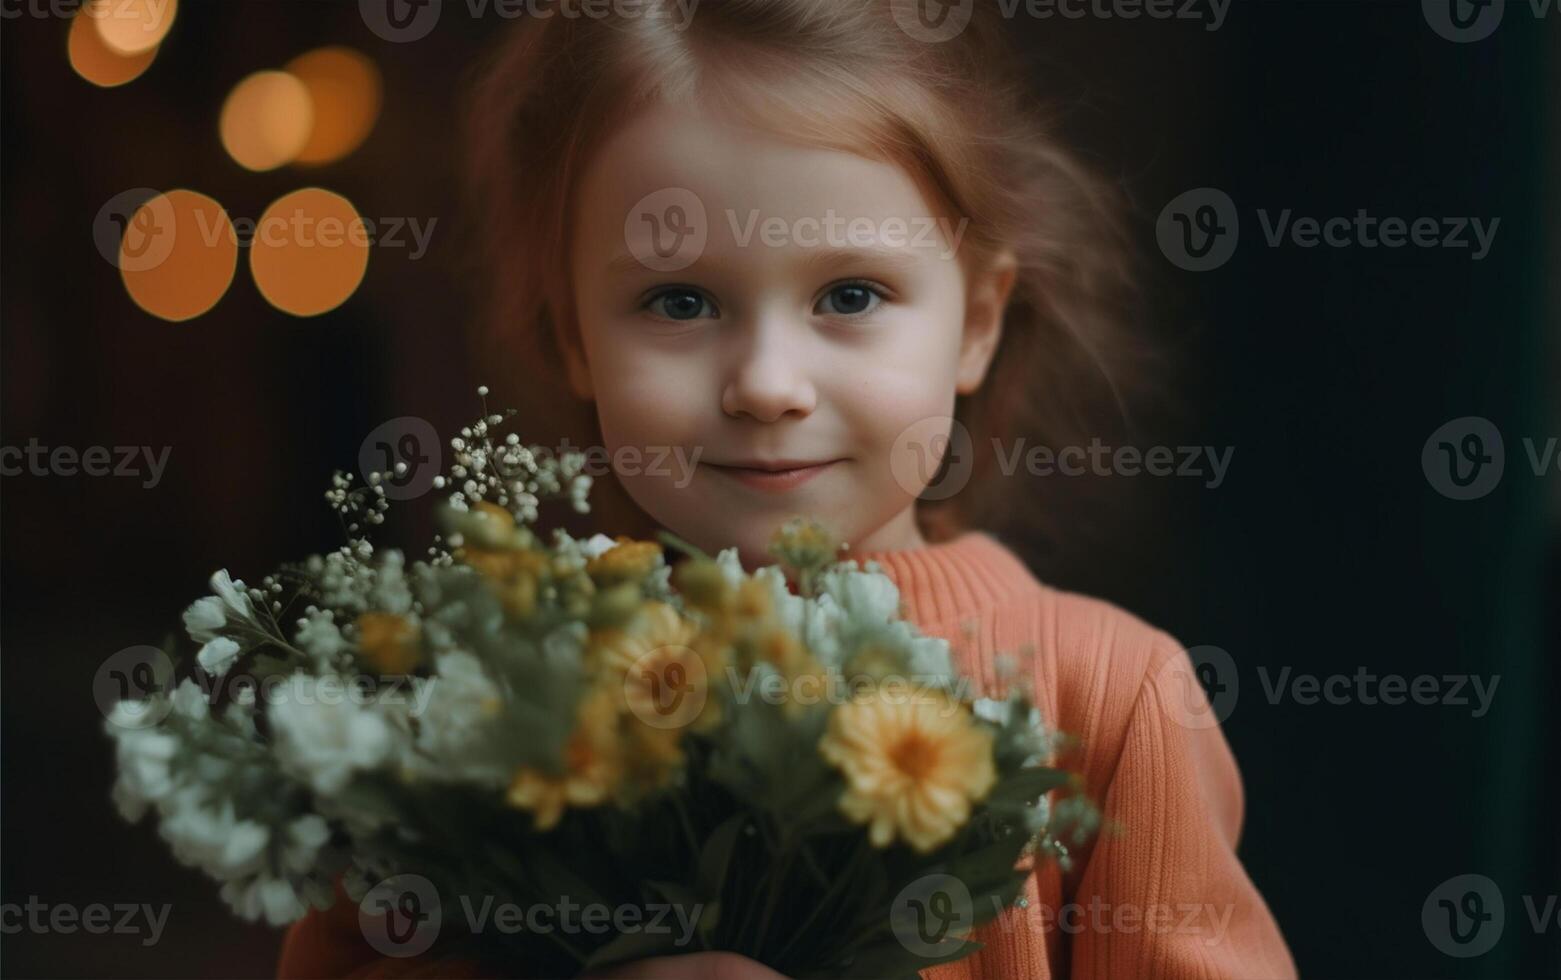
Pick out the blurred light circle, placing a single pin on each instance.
(344, 87)
(132, 26)
(196, 254)
(266, 120)
(97, 62)
(310, 252)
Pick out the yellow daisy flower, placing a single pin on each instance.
(591, 766)
(655, 661)
(627, 561)
(913, 764)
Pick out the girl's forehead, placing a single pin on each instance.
(732, 167)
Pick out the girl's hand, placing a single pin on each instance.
(694, 966)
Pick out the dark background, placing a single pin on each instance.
(1325, 550)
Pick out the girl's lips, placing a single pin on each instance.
(774, 481)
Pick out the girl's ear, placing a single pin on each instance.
(985, 301)
(566, 335)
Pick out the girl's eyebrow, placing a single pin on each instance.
(903, 259)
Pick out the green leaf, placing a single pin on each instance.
(716, 856)
(1027, 785)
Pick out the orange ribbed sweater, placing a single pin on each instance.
(1163, 896)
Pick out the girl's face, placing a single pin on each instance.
(745, 305)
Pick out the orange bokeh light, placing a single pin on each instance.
(310, 252)
(132, 27)
(178, 254)
(97, 62)
(266, 120)
(344, 87)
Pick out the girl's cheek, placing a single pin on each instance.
(649, 403)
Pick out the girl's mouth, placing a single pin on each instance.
(777, 477)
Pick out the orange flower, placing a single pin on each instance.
(388, 642)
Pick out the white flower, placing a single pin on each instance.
(992, 710)
(866, 597)
(305, 836)
(144, 773)
(1037, 817)
(212, 838)
(390, 592)
(597, 545)
(731, 566)
(217, 656)
(461, 700)
(319, 636)
(204, 618)
(326, 739)
(232, 593)
(190, 701)
(274, 898)
(928, 658)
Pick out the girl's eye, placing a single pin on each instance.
(678, 304)
(851, 299)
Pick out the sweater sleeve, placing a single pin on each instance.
(1163, 894)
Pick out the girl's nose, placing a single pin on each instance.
(770, 378)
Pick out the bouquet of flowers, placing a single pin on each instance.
(562, 753)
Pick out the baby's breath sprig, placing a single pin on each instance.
(357, 506)
(514, 476)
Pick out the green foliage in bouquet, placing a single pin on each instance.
(776, 757)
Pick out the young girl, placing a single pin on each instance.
(800, 250)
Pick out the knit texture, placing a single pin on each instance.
(1160, 894)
